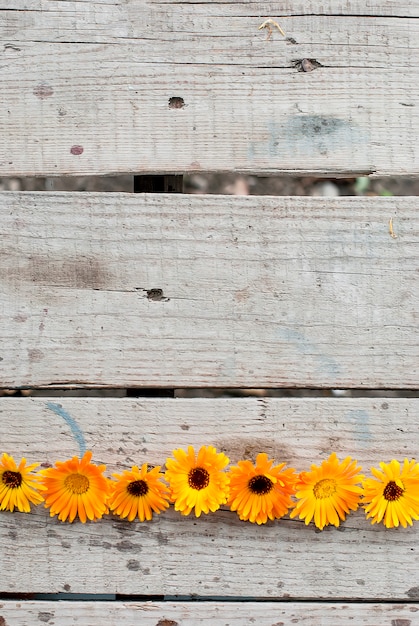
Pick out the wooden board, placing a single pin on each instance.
(206, 613)
(106, 87)
(217, 555)
(119, 290)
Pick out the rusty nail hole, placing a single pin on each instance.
(291, 40)
(76, 150)
(155, 294)
(176, 103)
(306, 65)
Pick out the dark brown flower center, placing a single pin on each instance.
(260, 485)
(13, 480)
(392, 491)
(138, 488)
(198, 478)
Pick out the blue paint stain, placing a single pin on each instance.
(327, 364)
(322, 134)
(360, 421)
(75, 428)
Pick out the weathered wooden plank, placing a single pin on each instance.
(217, 555)
(67, 613)
(96, 79)
(171, 291)
(299, 431)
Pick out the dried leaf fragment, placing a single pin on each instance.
(390, 229)
(269, 23)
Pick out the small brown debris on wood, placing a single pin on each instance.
(269, 23)
(390, 228)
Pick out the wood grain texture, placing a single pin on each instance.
(67, 613)
(86, 88)
(168, 291)
(216, 555)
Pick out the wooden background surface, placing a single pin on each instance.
(134, 291)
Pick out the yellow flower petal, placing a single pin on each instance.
(18, 486)
(392, 496)
(328, 492)
(197, 481)
(138, 493)
(76, 487)
(259, 491)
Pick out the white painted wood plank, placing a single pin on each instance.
(257, 291)
(217, 555)
(67, 613)
(95, 79)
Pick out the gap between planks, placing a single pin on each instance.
(205, 392)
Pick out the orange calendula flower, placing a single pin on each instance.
(76, 487)
(259, 492)
(197, 481)
(18, 487)
(139, 493)
(392, 497)
(327, 493)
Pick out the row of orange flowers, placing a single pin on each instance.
(199, 482)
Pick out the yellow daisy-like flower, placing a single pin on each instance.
(392, 497)
(327, 493)
(18, 487)
(260, 492)
(197, 481)
(139, 493)
(76, 487)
